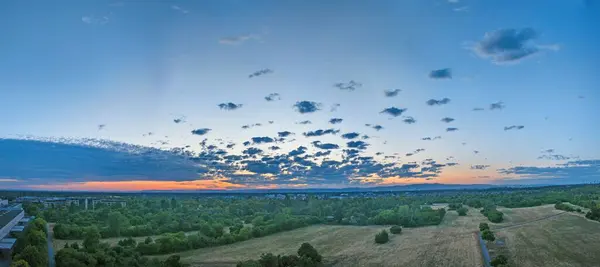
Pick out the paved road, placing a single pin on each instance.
(484, 251)
(51, 262)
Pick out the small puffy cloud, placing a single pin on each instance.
(478, 109)
(180, 9)
(240, 39)
(441, 74)
(377, 127)
(229, 106)
(509, 45)
(323, 153)
(326, 146)
(550, 150)
(307, 106)
(262, 140)
(320, 132)
(231, 145)
(350, 135)
(101, 127)
(335, 120)
(497, 105)
(513, 127)
(435, 102)
(304, 122)
(284, 134)
(461, 9)
(94, 20)
(179, 120)
(298, 151)
(357, 144)
(274, 148)
(260, 73)
(451, 129)
(393, 111)
(273, 97)
(201, 131)
(479, 167)
(409, 120)
(252, 151)
(246, 143)
(391, 93)
(447, 119)
(349, 86)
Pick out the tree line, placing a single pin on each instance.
(31, 248)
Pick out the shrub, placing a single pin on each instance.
(488, 235)
(382, 237)
(499, 260)
(454, 206)
(396, 229)
(462, 211)
(483, 227)
(306, 250)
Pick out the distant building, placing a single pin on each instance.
(3, 202)
(11, 220)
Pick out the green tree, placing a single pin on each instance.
(20, 263)
(33, 256)
(306, 250)
(268, 260)
(499, 260)
(382, 237)
(173, 261)
(488, 235)
(396, 229)
(483, 226)
(117, 222)
(36, 238)
(91, 239)
(462, 211)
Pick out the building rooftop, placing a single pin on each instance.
(8, 215)
(18, 228)
(7, 243)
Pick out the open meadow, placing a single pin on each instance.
(452, 243)
(559, 239)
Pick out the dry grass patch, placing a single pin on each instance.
(451, 243)
(523, 215)
(562, 241)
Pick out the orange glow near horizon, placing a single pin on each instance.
(455, 176)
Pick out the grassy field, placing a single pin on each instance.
(565, 240)
(451, 243)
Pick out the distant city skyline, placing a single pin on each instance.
(178, 95)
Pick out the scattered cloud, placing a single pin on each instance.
(179, 120)
(101, 127)
(180, 9)
(447, 119)
(479, 167)
(393, 111)
(350, 135)
(284, 134)
(240, 39)
(497, 105)
(349, 86)
(320, 132)
(554, 157)
(357, 144)
(262, 140)
(327, 146)
(391, 93)
(451, 129)
(94, 20)
(229, 106)
(513, 127)
(377, 127)
(335, 120)
(307, 106)
(260, 73)
(274, 148)
(441, 74)
(578, 171)
(409, 120)
(509, 45)
(252, 151)
(461, 9)
(435, 102)
(304, 122)
(201, 131)
(478, 109)
(273, 97)
(431, 138)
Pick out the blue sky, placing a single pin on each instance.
(135, 66)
